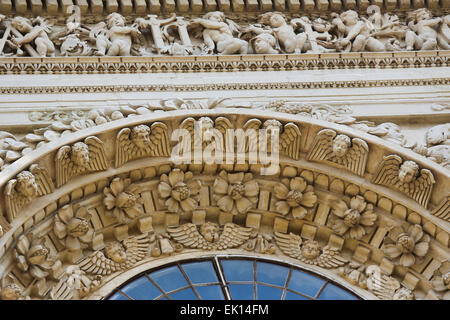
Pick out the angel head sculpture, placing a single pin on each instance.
(340, 150)
(310, 249)
(210, 231)
(80, 154)
(81, 157)
(26, 184)
(409, 170)
(341, 144)
(405, 176)
(140, 135)
(116, 252)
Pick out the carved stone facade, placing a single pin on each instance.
(355, 186)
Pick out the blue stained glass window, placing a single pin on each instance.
(294, 296)
(186, 294)
(271, 273)
(213, 292)
(169, 279)
(305, 283)
(241, 291)
(141, 289)
(269, 293)
(332, 292)
(118, 296)
(238, 270)
(200, 272)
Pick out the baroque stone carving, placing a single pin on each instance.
(294, 196)
(441, 281)
(142, 141)
(406, 245)
(179, 191)
(122, 201)
(27, 186)
(443, 209)
(116, 256)
(74, 284)
(309, 251)
(81, 157)
(386, 287)
(210, 236)
(341, 150)
(354, 219)
(235, 192)
(405, 177)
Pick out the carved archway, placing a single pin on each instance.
(358, 217)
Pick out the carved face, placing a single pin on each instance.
(215, 16)
(310, 249)
(340, 145)
(80, 154)
(115, 252)
(423, 14)
(210, 231)
(276, 20)
(21, 24)
(11, 292)
(263, 43)
(349, 17)
(115, 20)
(140, 136)
(408, 171)
(26, 184)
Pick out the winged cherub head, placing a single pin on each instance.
(340, 145)
(115, 251)
(408, 171)
(140, 135)
(26, 184)
(80, 154)
(210, 231)
(310, 249)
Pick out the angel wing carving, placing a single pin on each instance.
(383, 286)
(340, 150)
(117, 256)
(81, 157)
(142, 141)
(443, 209)
(210, 237)
(27, 185)
(289, 138)
(406, 177)
(309, 251)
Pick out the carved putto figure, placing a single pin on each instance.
(309, 251)
(81, 157)
(341, 150)
(219, 34)
(405, 177)
(422, 35)
(27, 186)
(142, 141)
(36, 34)
(116, 256)
(210, 236)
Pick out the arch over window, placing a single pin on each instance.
(230, 278)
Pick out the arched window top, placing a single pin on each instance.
(230, 278)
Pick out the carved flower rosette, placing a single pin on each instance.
(179, 191)
(354, 218)
(33, 257)
(294, 196)
(73, 229)
(406, 245)
(235, 193)
(122, 201)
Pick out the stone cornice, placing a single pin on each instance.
(180, 64)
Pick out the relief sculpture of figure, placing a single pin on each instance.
(118, 39)
(444, 33)
(37, 34)
(289, 41)
(219, 34)
(354, 34)
(422, 35)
